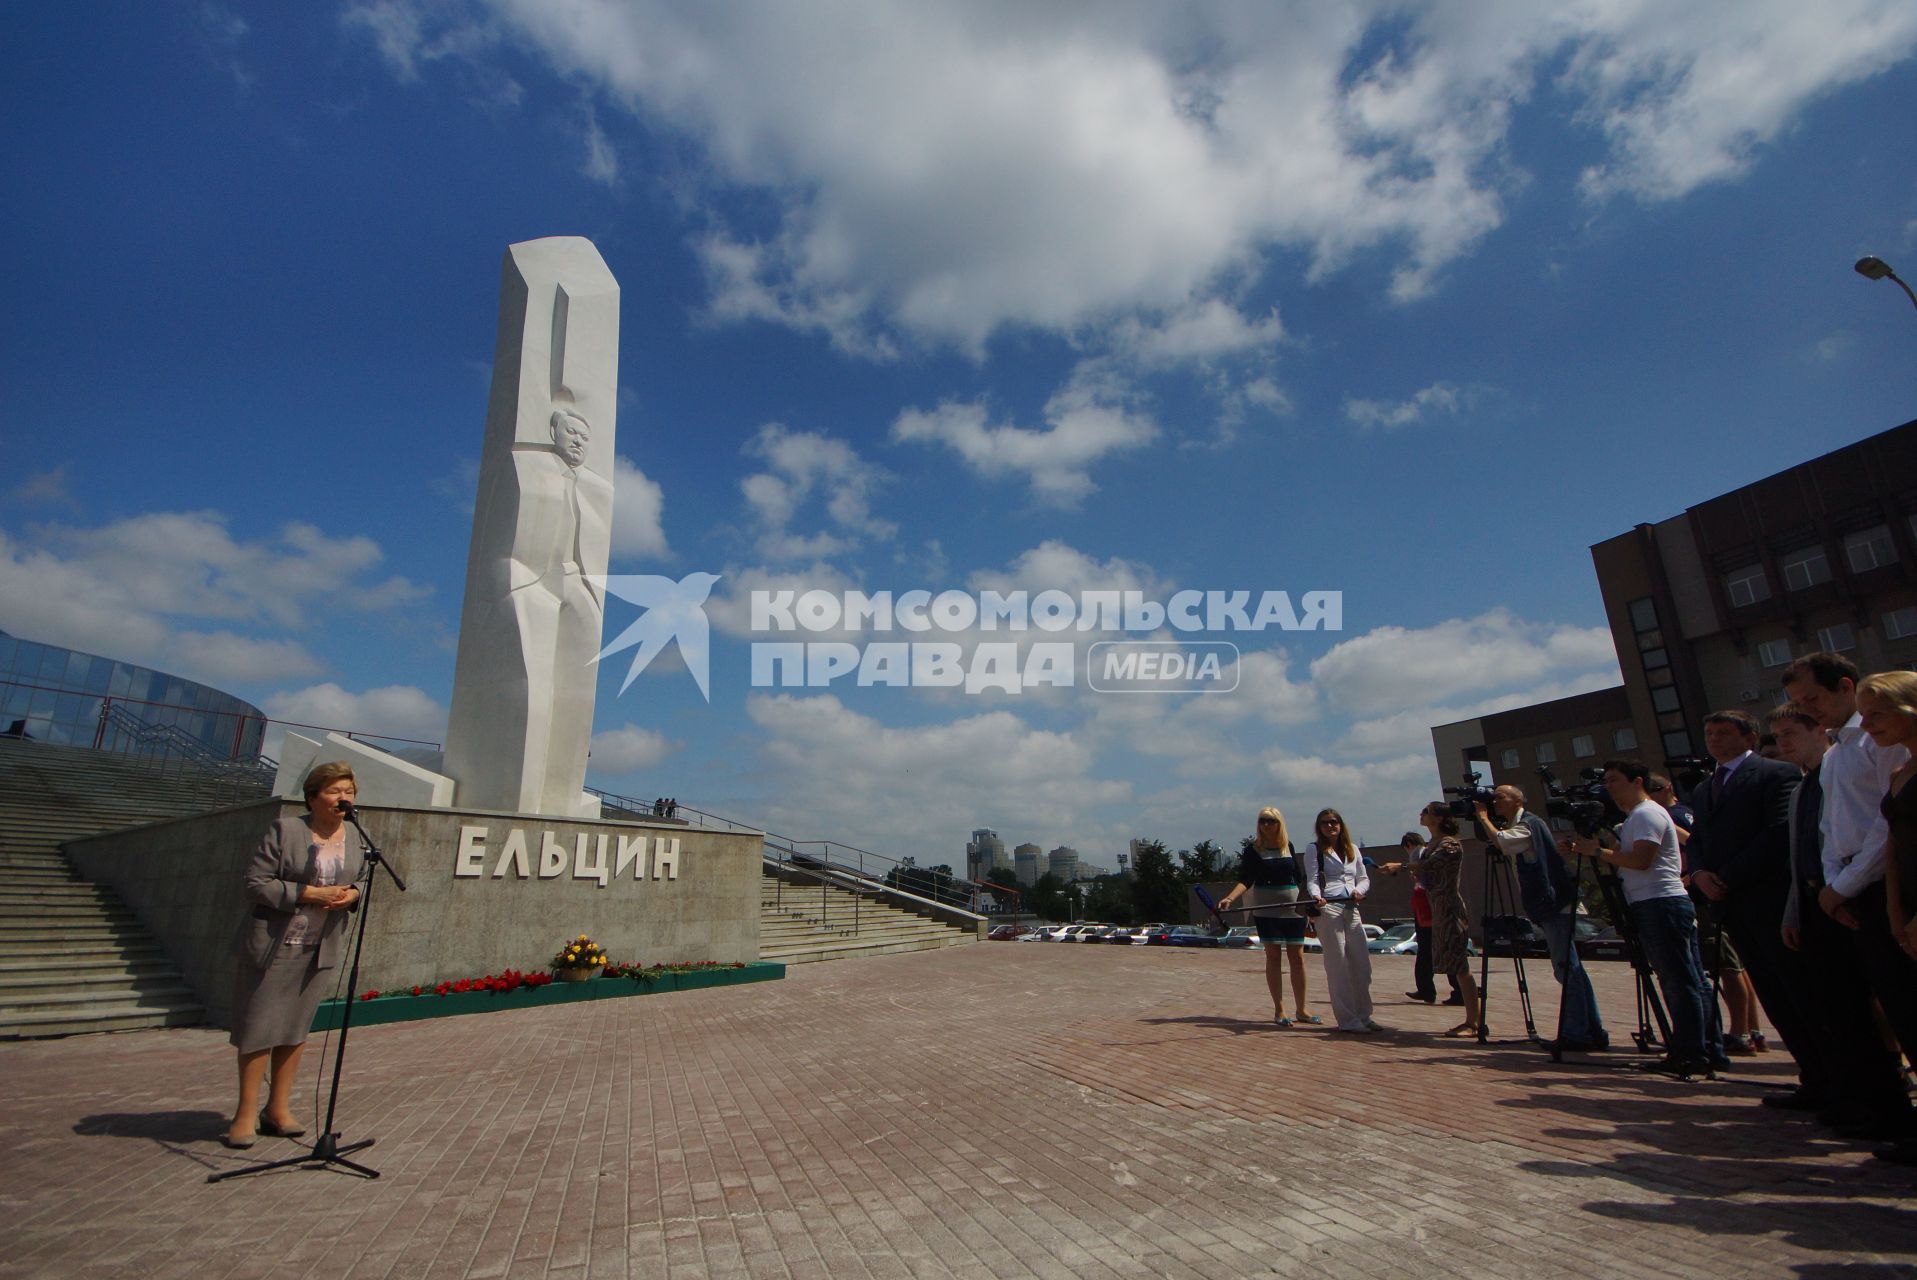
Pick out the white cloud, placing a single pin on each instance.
(1439, 397)
(602, 162)
(134, 588)
(629, 749)
(898, 790)
(801, 465)
(394, 711)
(1392, 668)
(1204, 330)
(638, 510)
(44, 487)
(944, 171)
(1085, 426)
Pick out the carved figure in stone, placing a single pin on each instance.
(523, 689)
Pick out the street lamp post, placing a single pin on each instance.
(1874, 268)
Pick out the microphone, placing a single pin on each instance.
(347, 809)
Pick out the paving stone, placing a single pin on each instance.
(992, 1110)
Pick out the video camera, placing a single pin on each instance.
(1469, 797)
(1586, 805)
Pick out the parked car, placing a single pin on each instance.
(1190, 935)
(1141, 935)
(1005, 933)
(1398, 940)
(1040, 933)
(1157, 935)
(1242, 936)
(1600, 942)
(1372, 932)
(1514, 935)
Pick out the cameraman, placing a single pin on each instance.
(1548, 889)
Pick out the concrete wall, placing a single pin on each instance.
(183, 880)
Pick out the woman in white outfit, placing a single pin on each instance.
(1336, 880)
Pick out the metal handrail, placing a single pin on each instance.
(857, 869)
(173, 753)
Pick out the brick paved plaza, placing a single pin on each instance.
(992, 1110)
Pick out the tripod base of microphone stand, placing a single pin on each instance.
(327, 1151)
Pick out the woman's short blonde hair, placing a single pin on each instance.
(323, 776)
(1895, 689)
(1284, 837)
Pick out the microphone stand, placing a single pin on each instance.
(328, 1151)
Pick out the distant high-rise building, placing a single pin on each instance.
(1062, 862)
(1025, 863)
(985, 853)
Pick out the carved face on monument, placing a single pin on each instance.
(570, 436)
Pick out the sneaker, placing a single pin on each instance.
(1759, 1043)
(1739, 1046)
(1372, 1026)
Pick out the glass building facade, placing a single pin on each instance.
(51, 694)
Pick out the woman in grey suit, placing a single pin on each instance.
(301, 882)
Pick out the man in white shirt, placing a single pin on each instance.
(1651, 873)
(1855, 838)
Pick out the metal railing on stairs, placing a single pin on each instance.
(801, 867)
(172, 753)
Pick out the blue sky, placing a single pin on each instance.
(1409, 302)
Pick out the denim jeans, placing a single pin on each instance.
(1577, 1003)
(1667, 930)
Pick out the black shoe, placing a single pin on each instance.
(1904, 1153)
(1421, 997)
(1795, 1100)
(1455, 999)
(1562, 1045)
(1683, 1067)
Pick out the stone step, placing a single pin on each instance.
(97, 932)
(77, 959)
(13, 892)
(80, 912)
(102, 1017)
(155, 996)
(55, 988)
(846, 949)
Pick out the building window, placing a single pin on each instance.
(1661, 676)
(1677, 744)
(1656, 658)
(1870, 549)
(1643, 614)
(1547, 753)
(1836, 638)
(1899, 623)
(1664, 699)
(1624, 739)
(1582, 746)
(1509, 760)
(1747, 585)
(1806, 569)
(1652, 639)
(1774, 653)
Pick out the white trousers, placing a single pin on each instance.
(1347, 965)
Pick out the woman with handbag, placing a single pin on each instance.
(1336, 881)
(1268, 875)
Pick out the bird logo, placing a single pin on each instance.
(673, 611)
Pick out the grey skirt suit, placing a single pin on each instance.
(277, 989)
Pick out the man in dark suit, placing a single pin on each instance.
(1739, 853)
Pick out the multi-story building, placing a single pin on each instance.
(1062, 862)
(983, 854)
(1564, 735)
(1708, 607)
(1025, 863)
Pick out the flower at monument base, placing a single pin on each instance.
(370, 995)
(580, 953)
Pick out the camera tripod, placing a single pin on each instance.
(1500, 921)
(1649, 1006)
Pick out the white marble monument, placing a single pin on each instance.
(524, 681)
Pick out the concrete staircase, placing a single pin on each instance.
(804, 922)
(72, 957)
